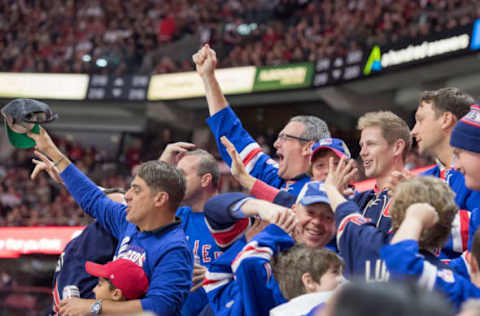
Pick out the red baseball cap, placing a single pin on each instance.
(124, 275)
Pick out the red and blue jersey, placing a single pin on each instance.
(204, 247)
(375, 205)
(404, 260)
(467, 200)
(257, 163)
(240, 282)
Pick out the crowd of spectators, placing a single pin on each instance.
(124, 37)
(43, 202)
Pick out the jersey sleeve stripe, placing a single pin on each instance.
(252, 250)
(428, 276)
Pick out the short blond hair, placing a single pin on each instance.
(426, 189)
(392, 126)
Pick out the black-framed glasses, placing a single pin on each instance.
(284, 136)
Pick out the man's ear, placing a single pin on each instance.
(160, 199)
(448, 121)
(307, 148)
(399, 147)
(205, 180)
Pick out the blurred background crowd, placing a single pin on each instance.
(148, 36)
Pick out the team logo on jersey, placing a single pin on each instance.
(133, 253)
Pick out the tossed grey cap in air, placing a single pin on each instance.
(22, 116)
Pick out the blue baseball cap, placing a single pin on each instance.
(313, 192)
(334, 144)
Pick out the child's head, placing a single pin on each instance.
(465, 139)
(426, 190)
(322, 151)
(301, 269)
(475, 258)
(118, 280)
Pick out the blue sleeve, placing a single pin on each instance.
(274, 238)
(403, 259)
(358, 240)
(222, 289)
(217, 209)
(94, 202)
(460, 266)
(257, 163)
(224, 227)
(474, 224)
(170, 283)
(473, 200)
(255, 280)
(285, 198)
(253, 272)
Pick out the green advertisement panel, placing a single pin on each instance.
(283, 77)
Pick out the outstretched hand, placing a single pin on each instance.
(205, 60)
(45, 164)
(238, 170)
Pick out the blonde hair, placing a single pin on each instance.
(430, 190)
(392, 126)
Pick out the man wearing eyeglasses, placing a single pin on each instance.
(293, 144)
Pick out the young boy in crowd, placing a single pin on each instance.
(118, 280)
(306, 277)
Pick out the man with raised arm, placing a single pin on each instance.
(148, 232)
(293, 144)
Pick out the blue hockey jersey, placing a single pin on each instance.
(403, 260)
(375, 206)
(70, 268)
(467, 200)
(202, 245)
(360, 243)
(257, 163)
(240, 282)
(163, 253)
